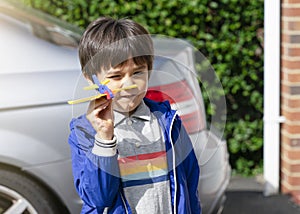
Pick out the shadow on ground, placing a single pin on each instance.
(249, 202)
(245, 196)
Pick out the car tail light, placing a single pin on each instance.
(181, 98)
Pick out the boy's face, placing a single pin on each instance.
(128, 74)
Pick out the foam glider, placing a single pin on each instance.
(102, 89)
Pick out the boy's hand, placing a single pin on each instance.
(100, 115)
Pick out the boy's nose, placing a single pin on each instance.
(127, 81)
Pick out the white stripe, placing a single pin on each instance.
(124, 203)
(174, 162)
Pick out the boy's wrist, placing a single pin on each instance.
(104, 136)
(106, 132)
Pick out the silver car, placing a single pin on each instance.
(39, 73)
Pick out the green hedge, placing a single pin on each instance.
(227, 32)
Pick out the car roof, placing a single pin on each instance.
(43, 25)
(31, 41)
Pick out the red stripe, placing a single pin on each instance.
(142, 156)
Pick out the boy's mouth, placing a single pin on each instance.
(128, 96)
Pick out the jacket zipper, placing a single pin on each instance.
(174, 163)
(125, 205)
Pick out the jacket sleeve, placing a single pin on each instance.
(192, 174)
(96, 178)
(191, 167)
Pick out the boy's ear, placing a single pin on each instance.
(90, 82)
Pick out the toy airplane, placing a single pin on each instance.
(102, 89)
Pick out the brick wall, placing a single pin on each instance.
(290, 98)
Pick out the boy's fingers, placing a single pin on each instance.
(96, 112)
(101, 106)
(99, 109)
(95, 104)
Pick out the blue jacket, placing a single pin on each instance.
(97, 180)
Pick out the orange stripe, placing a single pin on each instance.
(140, 169)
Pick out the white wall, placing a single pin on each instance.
(272, 117)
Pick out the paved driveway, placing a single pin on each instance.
(245, 196)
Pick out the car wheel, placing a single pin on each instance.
(21, 194)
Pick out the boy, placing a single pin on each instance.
(129, 154)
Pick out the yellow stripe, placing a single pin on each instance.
(143, 166)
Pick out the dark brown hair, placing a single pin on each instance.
(109, 42)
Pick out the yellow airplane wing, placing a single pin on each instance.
(124, 88)
(86, 99)
(91, 87)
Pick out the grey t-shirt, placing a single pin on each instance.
(142, 161)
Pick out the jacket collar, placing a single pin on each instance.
(142, 112)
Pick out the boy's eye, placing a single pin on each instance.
(138, 72)
(114, 76)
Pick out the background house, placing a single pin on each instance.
(282, 97)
